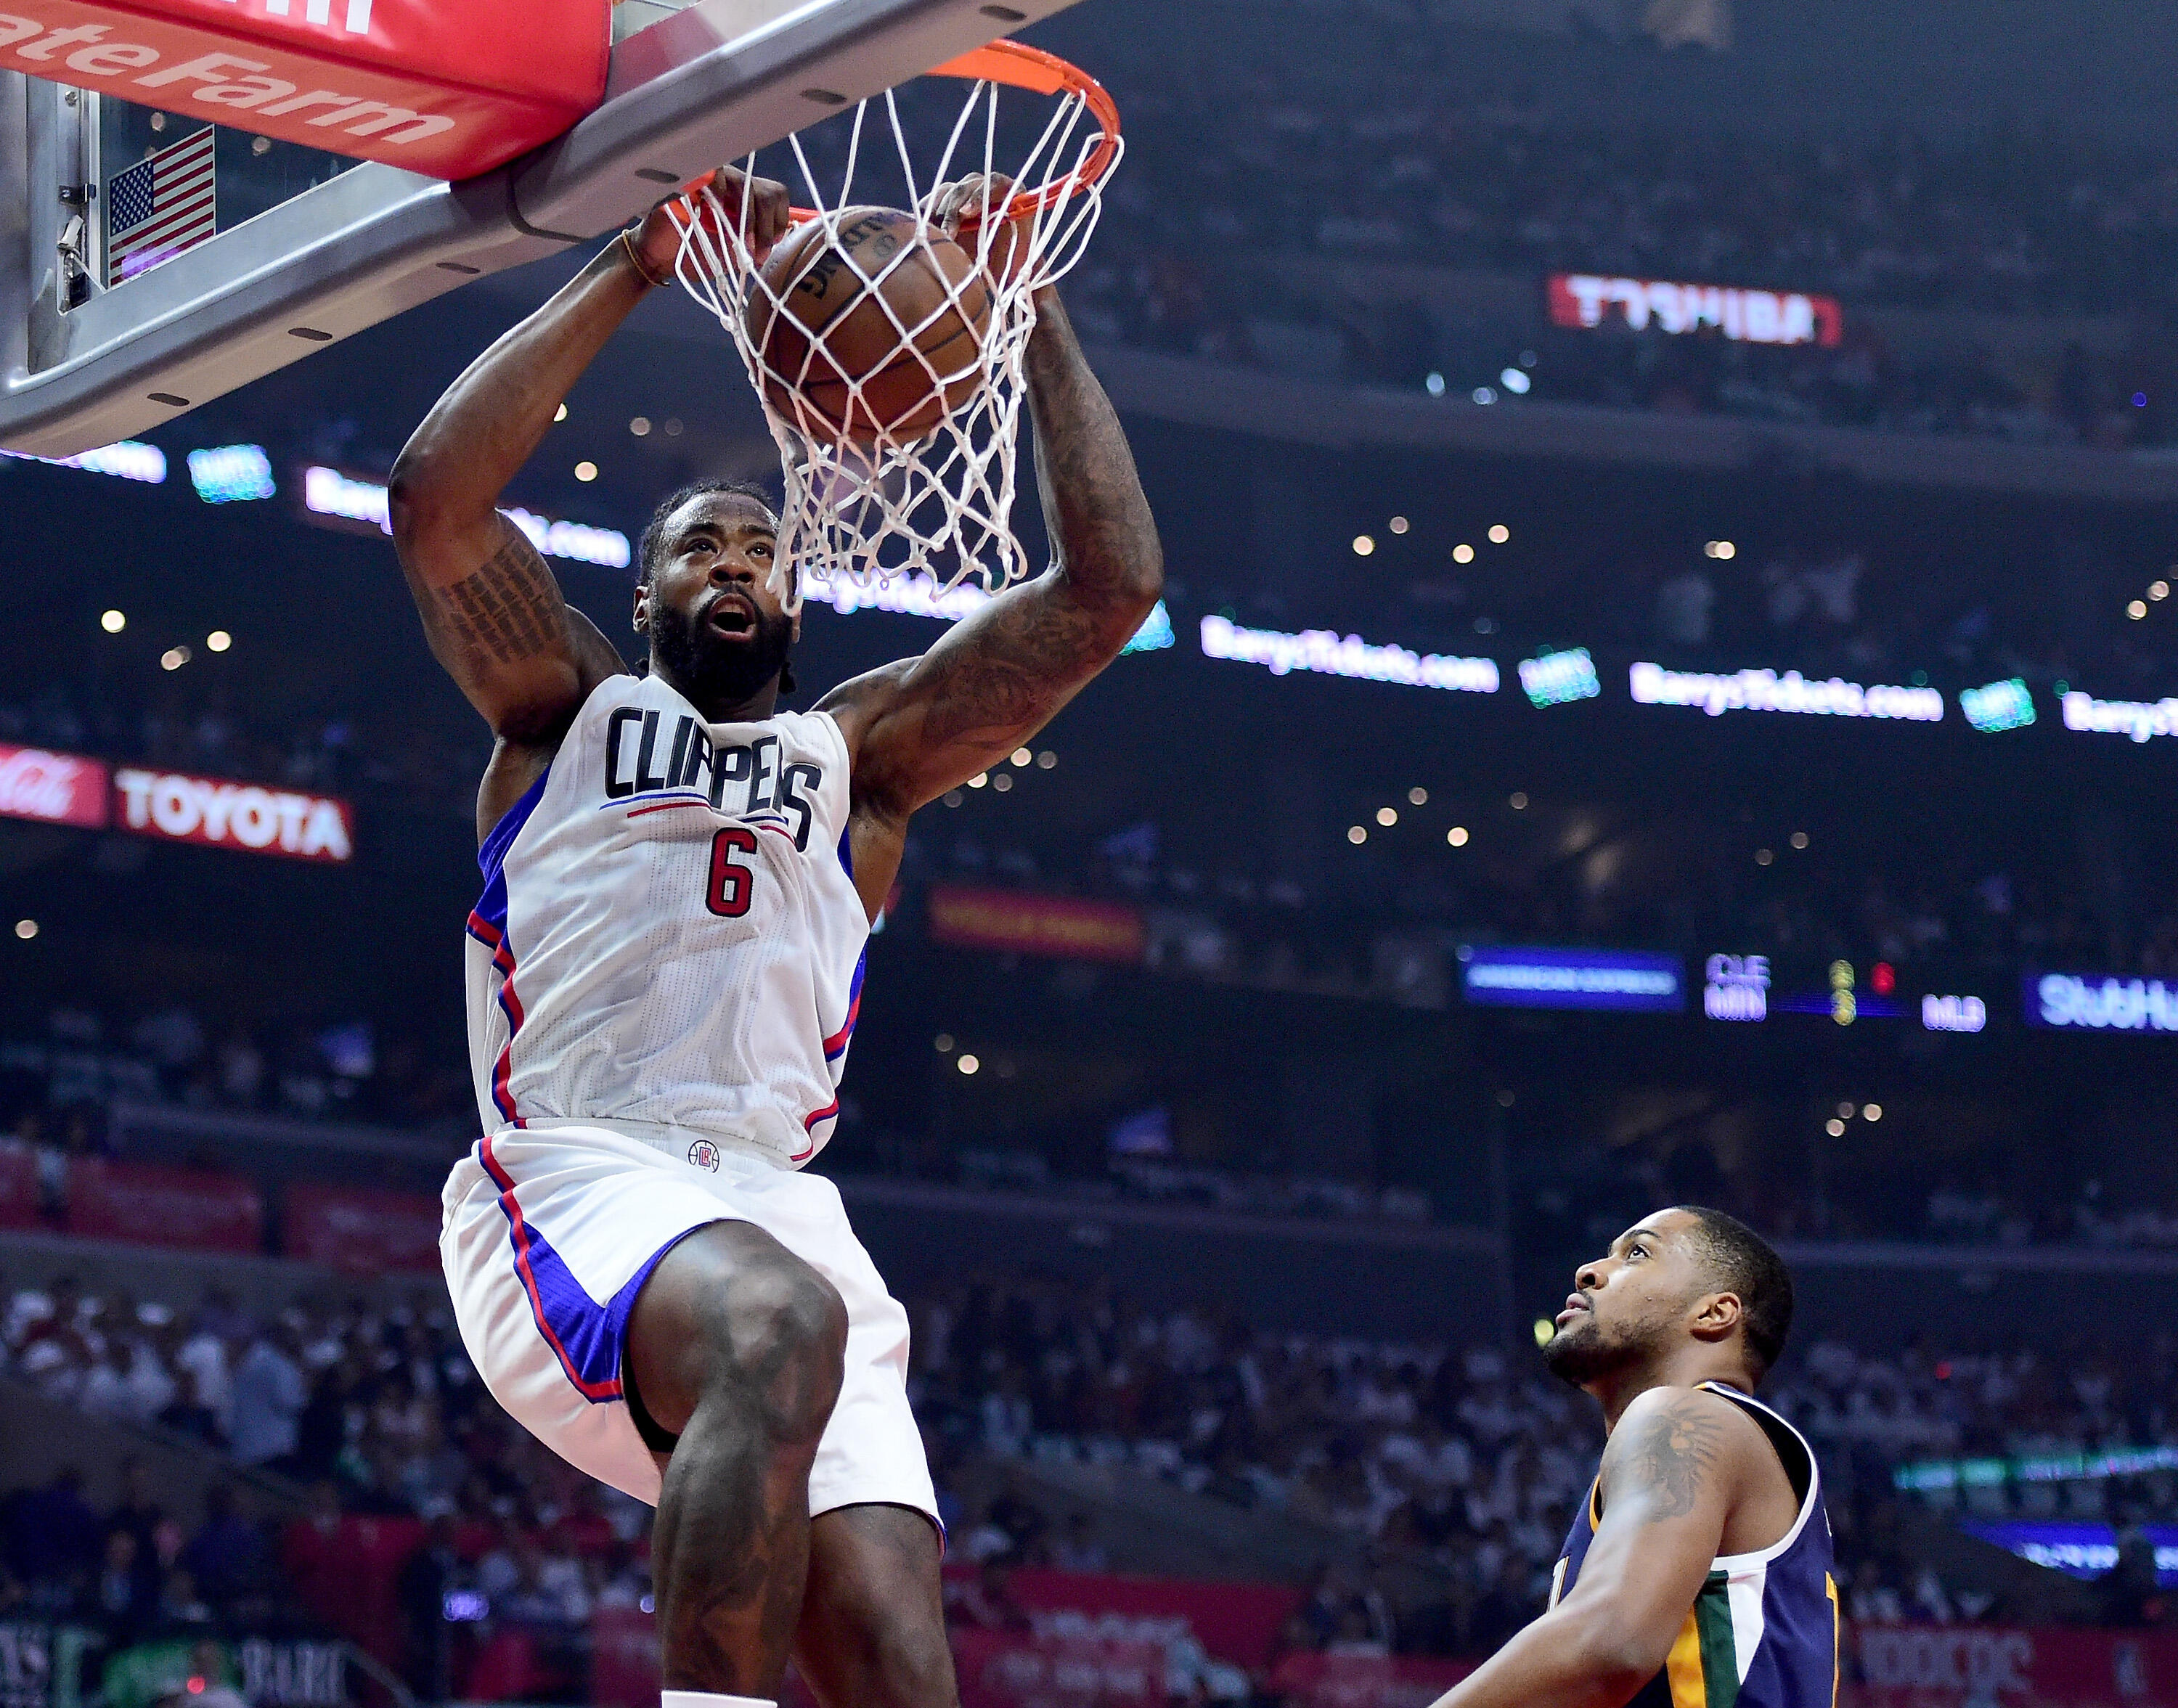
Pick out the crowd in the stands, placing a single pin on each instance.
(1271, 222)
(1436, 1481)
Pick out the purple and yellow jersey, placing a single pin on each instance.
(1762, 1631)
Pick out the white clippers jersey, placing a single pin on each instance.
(669, 936)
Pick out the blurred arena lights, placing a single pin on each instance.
(1434, 385)
(218, 641)
(2136, 609)
(26, 929)
(1418, 797)
(1720, 549)
(1398, 524)
(640, 426)
(586, 471)
(112, 621)
(1357, 835)
(1363, 545)
(1464, 553)
(1499, 534)
(231, 473)
(174, 658)
(1513, 381)
(1457, 835)
(128, 460)
(1558, 678)
(1387, 816)
(1996, 707)
(968, 1064)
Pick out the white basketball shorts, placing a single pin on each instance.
(549, 1233)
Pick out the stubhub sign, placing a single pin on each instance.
(2092, 1002)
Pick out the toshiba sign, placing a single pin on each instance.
(446, 87)
(1755, 317)
(221, 815)
(52, 788)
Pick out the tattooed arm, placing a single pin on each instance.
(491, 610)
(924, 725)
(1679, 1462)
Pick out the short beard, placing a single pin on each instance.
(709, 670)
(1585, 1352)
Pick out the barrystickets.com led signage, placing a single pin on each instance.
(1328, 653)
(1766, 690)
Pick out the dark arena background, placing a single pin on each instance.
(1666, 690)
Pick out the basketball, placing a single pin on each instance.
(838, 310)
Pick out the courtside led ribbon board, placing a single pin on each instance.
(1629, 980)
(451, 88)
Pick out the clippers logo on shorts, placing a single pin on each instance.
(704, 1155)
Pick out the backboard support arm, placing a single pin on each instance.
(707, 83)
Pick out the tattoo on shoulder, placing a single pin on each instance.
(509, 609)
(1673, 1450)
(1010, 676)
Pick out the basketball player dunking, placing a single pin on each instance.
(1698, 1573)
(664, 970)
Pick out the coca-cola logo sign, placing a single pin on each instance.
(53, 788)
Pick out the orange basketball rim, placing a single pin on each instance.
(1017, 65)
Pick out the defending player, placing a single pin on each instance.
(1698, 1573)
(679, 883)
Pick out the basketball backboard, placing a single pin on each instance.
(100, 340)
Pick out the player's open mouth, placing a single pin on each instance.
(1575, 1306)
(731, 615)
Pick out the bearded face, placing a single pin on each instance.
(718, 628)
(723, 648)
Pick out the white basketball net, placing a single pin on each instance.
(939, 503)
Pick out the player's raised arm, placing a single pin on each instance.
(1674, 1467)
(927, 725)
(492, 610)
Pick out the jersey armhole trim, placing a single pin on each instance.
(1736, 1565)
(491, 856)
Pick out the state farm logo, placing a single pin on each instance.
(54, 787)
(355, 17)
(235, 815)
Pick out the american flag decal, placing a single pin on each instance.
(164, 204)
